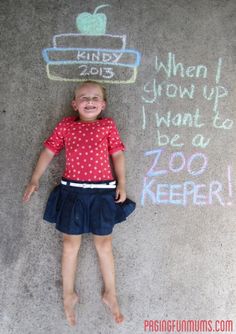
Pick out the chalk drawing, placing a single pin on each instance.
(230, 185)
(75, 39)
(171, 68)
(92, 24)
(92, 56)
(185, 164)
(214, 94)
(164, 140)
(156, 90)
(227, 124)
(179, 119)
(218, 71)
(144, 118)
(190, 84)
(157, 192)
(172, 80)
(79, 56)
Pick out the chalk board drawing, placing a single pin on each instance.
(79, 56)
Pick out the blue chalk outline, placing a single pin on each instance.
(64, 62)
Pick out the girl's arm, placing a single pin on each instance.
(118, 159)
(44, 160)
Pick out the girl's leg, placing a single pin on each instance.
(103, 246)
(71, 245)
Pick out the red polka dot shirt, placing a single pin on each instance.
(88, 146)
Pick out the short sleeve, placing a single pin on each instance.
(55, 142)
(114, 141)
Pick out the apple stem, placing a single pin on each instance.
(97, 8)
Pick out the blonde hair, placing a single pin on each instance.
(92, 82)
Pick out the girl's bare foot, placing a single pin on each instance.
(70, 302)
(111, 301)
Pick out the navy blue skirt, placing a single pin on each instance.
(77, 210)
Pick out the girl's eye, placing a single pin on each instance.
(87, 99)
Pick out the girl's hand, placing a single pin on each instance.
(120, 193)
(30, 189)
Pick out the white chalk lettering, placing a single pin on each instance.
(98, 56)
(171, 68)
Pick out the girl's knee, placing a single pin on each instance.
(103, 244)
(71, 242)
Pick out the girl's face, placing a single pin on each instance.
(89, 102)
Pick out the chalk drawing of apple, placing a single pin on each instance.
(92, 24)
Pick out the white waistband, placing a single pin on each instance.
(111, 184)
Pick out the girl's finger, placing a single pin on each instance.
(28, 193)
(26, 196)
(119, 200)
(117, 193)
(122, 197)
